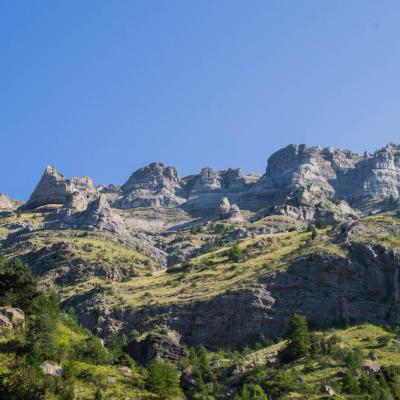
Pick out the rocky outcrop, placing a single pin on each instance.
(338, 174)
(164, 346)
(7, 204)
(53, 188)
(154, 185)
(327, 289)
(98, 216)
(206, 191)
(229, 211)
(11, 317)
(51, 369)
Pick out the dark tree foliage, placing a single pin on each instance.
(41, 326)
(251, 392)
(234, 253)
(17, 284)
(205, 365)
(163, 379)
(299, 339)
(350, 383)
(91, 350)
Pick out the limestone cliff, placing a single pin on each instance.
(53, 188)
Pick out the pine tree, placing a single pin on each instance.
(350, 383)
(17, 284)
(163, 379)
(299, 339)
(204, 365)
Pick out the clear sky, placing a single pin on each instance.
(101, 88)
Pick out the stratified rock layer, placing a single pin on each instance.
(206, 191)
(338, 174)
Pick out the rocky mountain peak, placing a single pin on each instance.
(6, 203)
(153, 185)
(51, 172)
(339, 174)
(53, 188)
(298, 176)
(154, 176)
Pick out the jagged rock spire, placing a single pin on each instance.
(53, 188)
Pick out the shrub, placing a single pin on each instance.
(353, 359)
(321, 224)
(235, 253)
(116, 345)
(383, 340)
(98, 395)
(251, 392)
(91, 350)
(195, 229)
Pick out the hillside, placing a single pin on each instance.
(221, 260)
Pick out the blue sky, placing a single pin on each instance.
(101, 88)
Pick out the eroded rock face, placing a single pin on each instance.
(98, 216)
(154, 185)
(164, 346)
(206, 191)
(53, 188)
(11, 317)
(229, 211)
(338, 174)
(7, 204)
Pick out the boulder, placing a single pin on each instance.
(126, 371)
(11, 317)
(371, 366)
(5, 322)
(224, 207)
(328, 390)
(229, 212)
(154, 345)
(51, 369)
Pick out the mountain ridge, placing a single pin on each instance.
(219, 258)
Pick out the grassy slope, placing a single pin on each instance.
(314, 373)
(87, 377)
